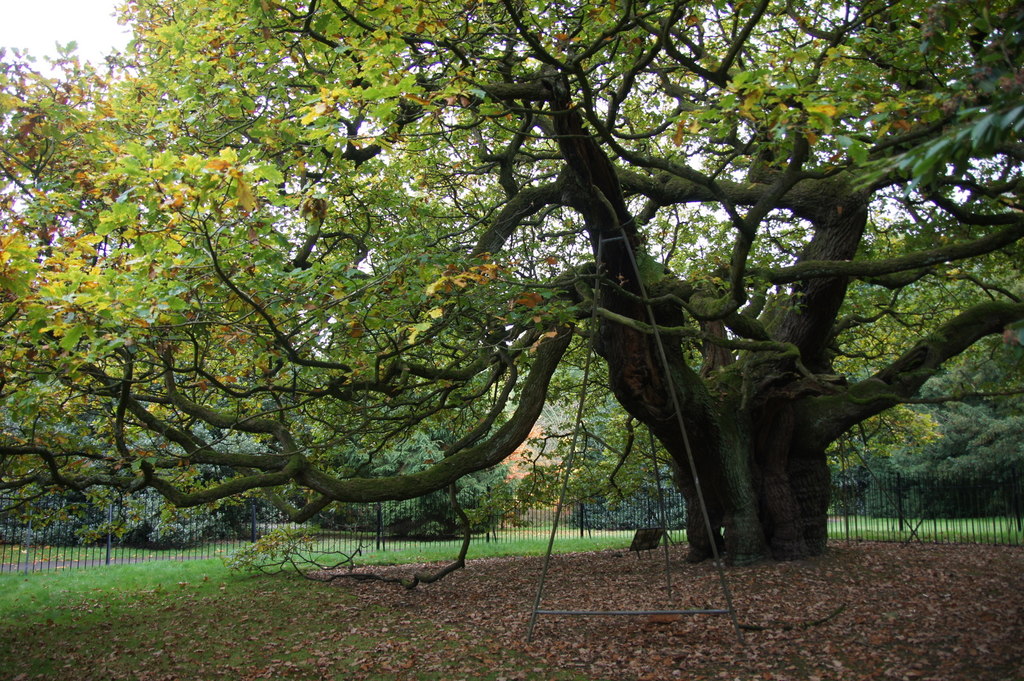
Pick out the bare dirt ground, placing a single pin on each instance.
(862, 611)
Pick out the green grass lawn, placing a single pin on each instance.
(993, 530)
(22, 595)
(199, 620)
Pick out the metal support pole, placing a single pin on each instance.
(662, 516)
(27, 548)
(380, 526)
(1015, 493)
(899, 500)
(573, 448)
(677, 408)
(110, 527)
(845, 492)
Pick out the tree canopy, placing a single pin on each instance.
(333, 226)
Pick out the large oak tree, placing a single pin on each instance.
(328, 225)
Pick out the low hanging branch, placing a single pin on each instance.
(418, 578)
(289, 549)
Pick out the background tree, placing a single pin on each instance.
(328, 225)
(977, 435)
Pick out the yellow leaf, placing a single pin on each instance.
(416, 98)
(315, 112)
(173, 202)
(243, 192)
(228, 154)
(416, 329)
(441, 285)
(217, 164)
(489, 270)
(823, 109)
(748, 103)
(435, 313)
(536, 344)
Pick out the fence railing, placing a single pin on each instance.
(64, 532)
(963, 508)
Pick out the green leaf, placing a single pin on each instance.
(71, 337)
(269, 172)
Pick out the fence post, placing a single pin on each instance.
(845, 502)
(1015, 496)
(110, 527)
(28, 546)
(380, 526)
(490, 513)
(252, 521)
(583, 518)
(899, 500)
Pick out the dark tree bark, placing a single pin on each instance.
(649, 375)
(745, 455)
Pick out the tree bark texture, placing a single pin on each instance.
(733, 456)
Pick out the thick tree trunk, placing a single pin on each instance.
(765, 493)
(747, 493)
(794, 485)
(747, 500)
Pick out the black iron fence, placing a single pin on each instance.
(65, 531)
(957, 508)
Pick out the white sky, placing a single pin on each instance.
(38, 24)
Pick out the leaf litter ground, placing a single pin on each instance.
(862, 611)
